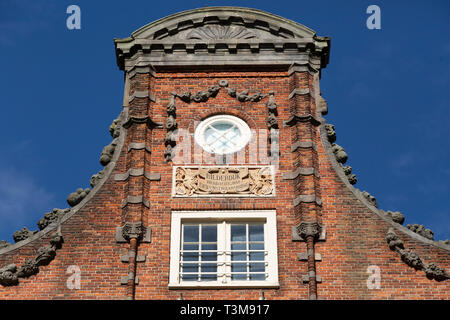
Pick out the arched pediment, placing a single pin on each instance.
(231, 22)
(222, 36)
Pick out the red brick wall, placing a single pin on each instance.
(355, 235)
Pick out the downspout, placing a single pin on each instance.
(131, 284)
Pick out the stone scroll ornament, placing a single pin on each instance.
(10, 274)
(413, 260)
(204, 96)
(257, 181)
(272, 123)
(171, 127)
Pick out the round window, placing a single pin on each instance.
(222, 134)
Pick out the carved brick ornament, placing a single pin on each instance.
(219, 181)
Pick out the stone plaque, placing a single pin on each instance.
(223, 181)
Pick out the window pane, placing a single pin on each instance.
(209, 256)
(190, 256)
(189, 277)
(209, 233)
(209, 267)
(190, 234)
(190, 247)
(209, 246)
(256, 246)
(256, 232)
(238, 246)
(238, 267)
(257, 267)
(239, 276)
(238, 233)
(239, 256)
(256, 256)
(257, 276)
(190, 267)
(208, 277)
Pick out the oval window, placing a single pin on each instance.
(222, 134)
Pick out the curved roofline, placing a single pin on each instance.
(357, 193)
(224, 11)
(74, 210)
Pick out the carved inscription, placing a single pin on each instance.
(214, 181)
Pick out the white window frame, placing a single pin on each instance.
(244, 129)
(224, 218)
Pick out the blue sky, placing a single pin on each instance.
(387, 92)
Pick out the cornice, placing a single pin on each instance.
(215, 31)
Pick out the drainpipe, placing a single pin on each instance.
(131, 284)
(310, 232)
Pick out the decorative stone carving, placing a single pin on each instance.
(421, 230)
(171, 123)
(220, 32)
(171, 107)
(45, 255)
(437, 273)
(95, 179)
(413, 260)
(28, 268)
(309, 229)
(8, 276)
(171, 126)
(133, 230)
(108, 152)
(4, 244)
(56, 241)
(272, 123)
(23, 234)
(114, 129)
(217, 181)
(350, 176)
(331, 132)
(370, 198)
(51, 217)
(393, 240)
(339, 153)
(396, 216)
(77, 196)
(322, 106)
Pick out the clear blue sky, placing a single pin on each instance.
(387, 91)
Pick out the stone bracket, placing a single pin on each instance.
(294, 119)
(135, 200)
(291, 175)
(304, 145)
(139, 146)
(137, 173)
(298, 91)
(145, 238)
(142, 94)
(296, 237)
(303, 256)
(308, 198)
(124, 280)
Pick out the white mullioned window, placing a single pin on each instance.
(223, 249)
